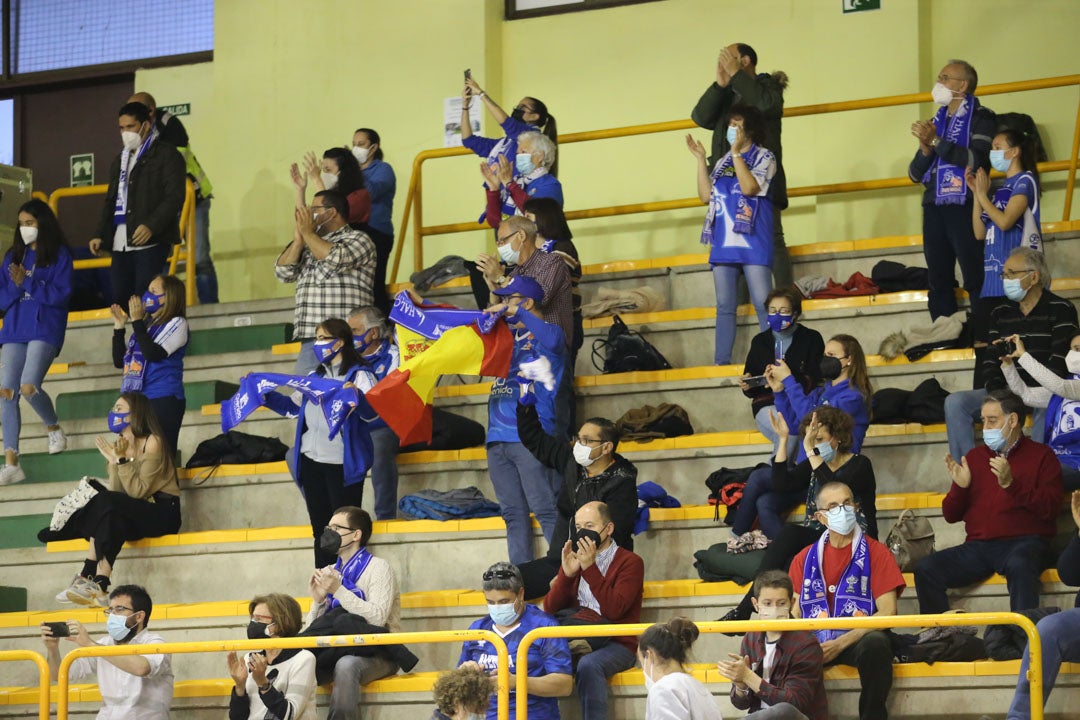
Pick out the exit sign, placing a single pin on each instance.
(82, 170)
(851, 6)
(180, 109)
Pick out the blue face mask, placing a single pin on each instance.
(995, 438)
(840, 519)
(778, 322)
(825, 451)
(118, 421)
(118, 630)
(524, 164)
(504, 614)
(998, 161)
(324, 351)
(361, 344)
(1014, 289)
(732, 134)
(151, 302)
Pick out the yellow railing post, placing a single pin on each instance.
(877, 622)
(436, 636)
(43, 676)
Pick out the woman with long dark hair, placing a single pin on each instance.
(35, 287)
(553, 236)
(337, 171)
(381, 185)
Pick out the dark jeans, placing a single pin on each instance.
(1021, 560)
(778, 556)
(170, 414)
(872, 655)
(384, 473)
(132, 271)
(947, 240)
(761, 503)
(384, 244)
(593, 671)
(325, 491)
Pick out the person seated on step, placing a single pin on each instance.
(847, 388)
(591, 470)
(273, 682)
(1060, 632)
(1008, 493)
(673, 692)
(376, 344)
(362, 584)
(777, 675)
(598, 582)
(828, 432)
(848, 574)
(1045, 323)
(462, 694)
(1060, 397)
(550, 669)
(131, 686)
(153, 357)
(800, 347)
(142, 498)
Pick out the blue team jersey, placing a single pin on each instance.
(537, 338)
(743, 248)
(1025, 233)
(546, 657)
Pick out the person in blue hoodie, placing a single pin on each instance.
(329, 472)
(522, 483)
(35, 287)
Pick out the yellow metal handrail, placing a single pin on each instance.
(502, 691)
(43, 676)
(877, 622)
(413, 200)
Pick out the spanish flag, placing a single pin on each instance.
(404, 397)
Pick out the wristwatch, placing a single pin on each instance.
(935, 141)
(501, 280)
(266, 687)
(123, 460)
(816, 451)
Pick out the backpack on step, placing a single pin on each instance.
(625, 350)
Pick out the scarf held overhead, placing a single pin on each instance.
(336, 400)
(418, 326)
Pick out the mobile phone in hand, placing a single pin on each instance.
(58, 629)
(468, 74)
(756, 381)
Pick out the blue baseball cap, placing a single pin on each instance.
(524, 286)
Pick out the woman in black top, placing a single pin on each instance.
(799, 346)
(827, 440)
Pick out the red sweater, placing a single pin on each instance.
(619, 592)
(1029, 506)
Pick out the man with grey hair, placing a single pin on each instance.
(375, 342)
(956, 140)
(1045, 323)
(550, 668)
(509, 187)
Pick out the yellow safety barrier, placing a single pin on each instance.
(502, 692)
(868, 623)
(38, 195)
(414, 198)
(43, 676)
(184, 251)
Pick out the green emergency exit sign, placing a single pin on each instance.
(180, 109)
(82, 170)
(851, 6)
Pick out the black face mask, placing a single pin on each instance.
(585, 533)
(257, 630)
(330, 541)
(831, 368)
(518, 114)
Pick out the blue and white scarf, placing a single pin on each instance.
(741, 208)
(852, 596)
(350, 575)
(335, 400)
(120, 211)
(1063, 429)
(135, 361)
(431, 321)
(950, 181)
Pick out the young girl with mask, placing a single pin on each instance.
(273, 683)
(673, 692)
(153, 357)
(35, 287)
(141, 501)
(338, 171)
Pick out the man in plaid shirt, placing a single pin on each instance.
(332, 265)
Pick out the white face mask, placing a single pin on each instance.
(647, 672)
(131, 140)
(583, 455)
(773, 613)
(360, 153)
(1072, 358)
(329, 180)
(29, 234)
(941, 94)
(508, 254)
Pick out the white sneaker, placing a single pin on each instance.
(86, 592)
(61, 597)
(11, 474)
(57, 442)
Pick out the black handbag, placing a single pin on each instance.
(625, 350)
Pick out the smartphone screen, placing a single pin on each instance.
(468, 75)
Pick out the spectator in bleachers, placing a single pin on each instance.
(956, 141)
(522, 483)
(1059, 396)
(462, 694)
(140, 221)
(131, 686)
(598, 582)
(553, 236)
(142, 499)
(35, 288)
(381, 184)
(1044, 321)
(333, 267)
(848, 574)
(153, 357)
(516, 243)
(1008, 493)
(359, 583)
(172, 131)
(673, 692)
(1060, 632)
(786, 339)
(739, 83)
(777, 675)
(272, 683)
(550, 669)
(531, 178)
(592, 470)
(530, 115)
(339, 171)
(829, 431)
(374, 341)
(739, 222)
(329, 472)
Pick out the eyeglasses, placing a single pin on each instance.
(586, 441)
(1013, 274)
(499, 575)
(845, 506)
(266, 619)
(506, 238)
(117, 609)
(339, 528)
(945, 78)
(319, 207)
